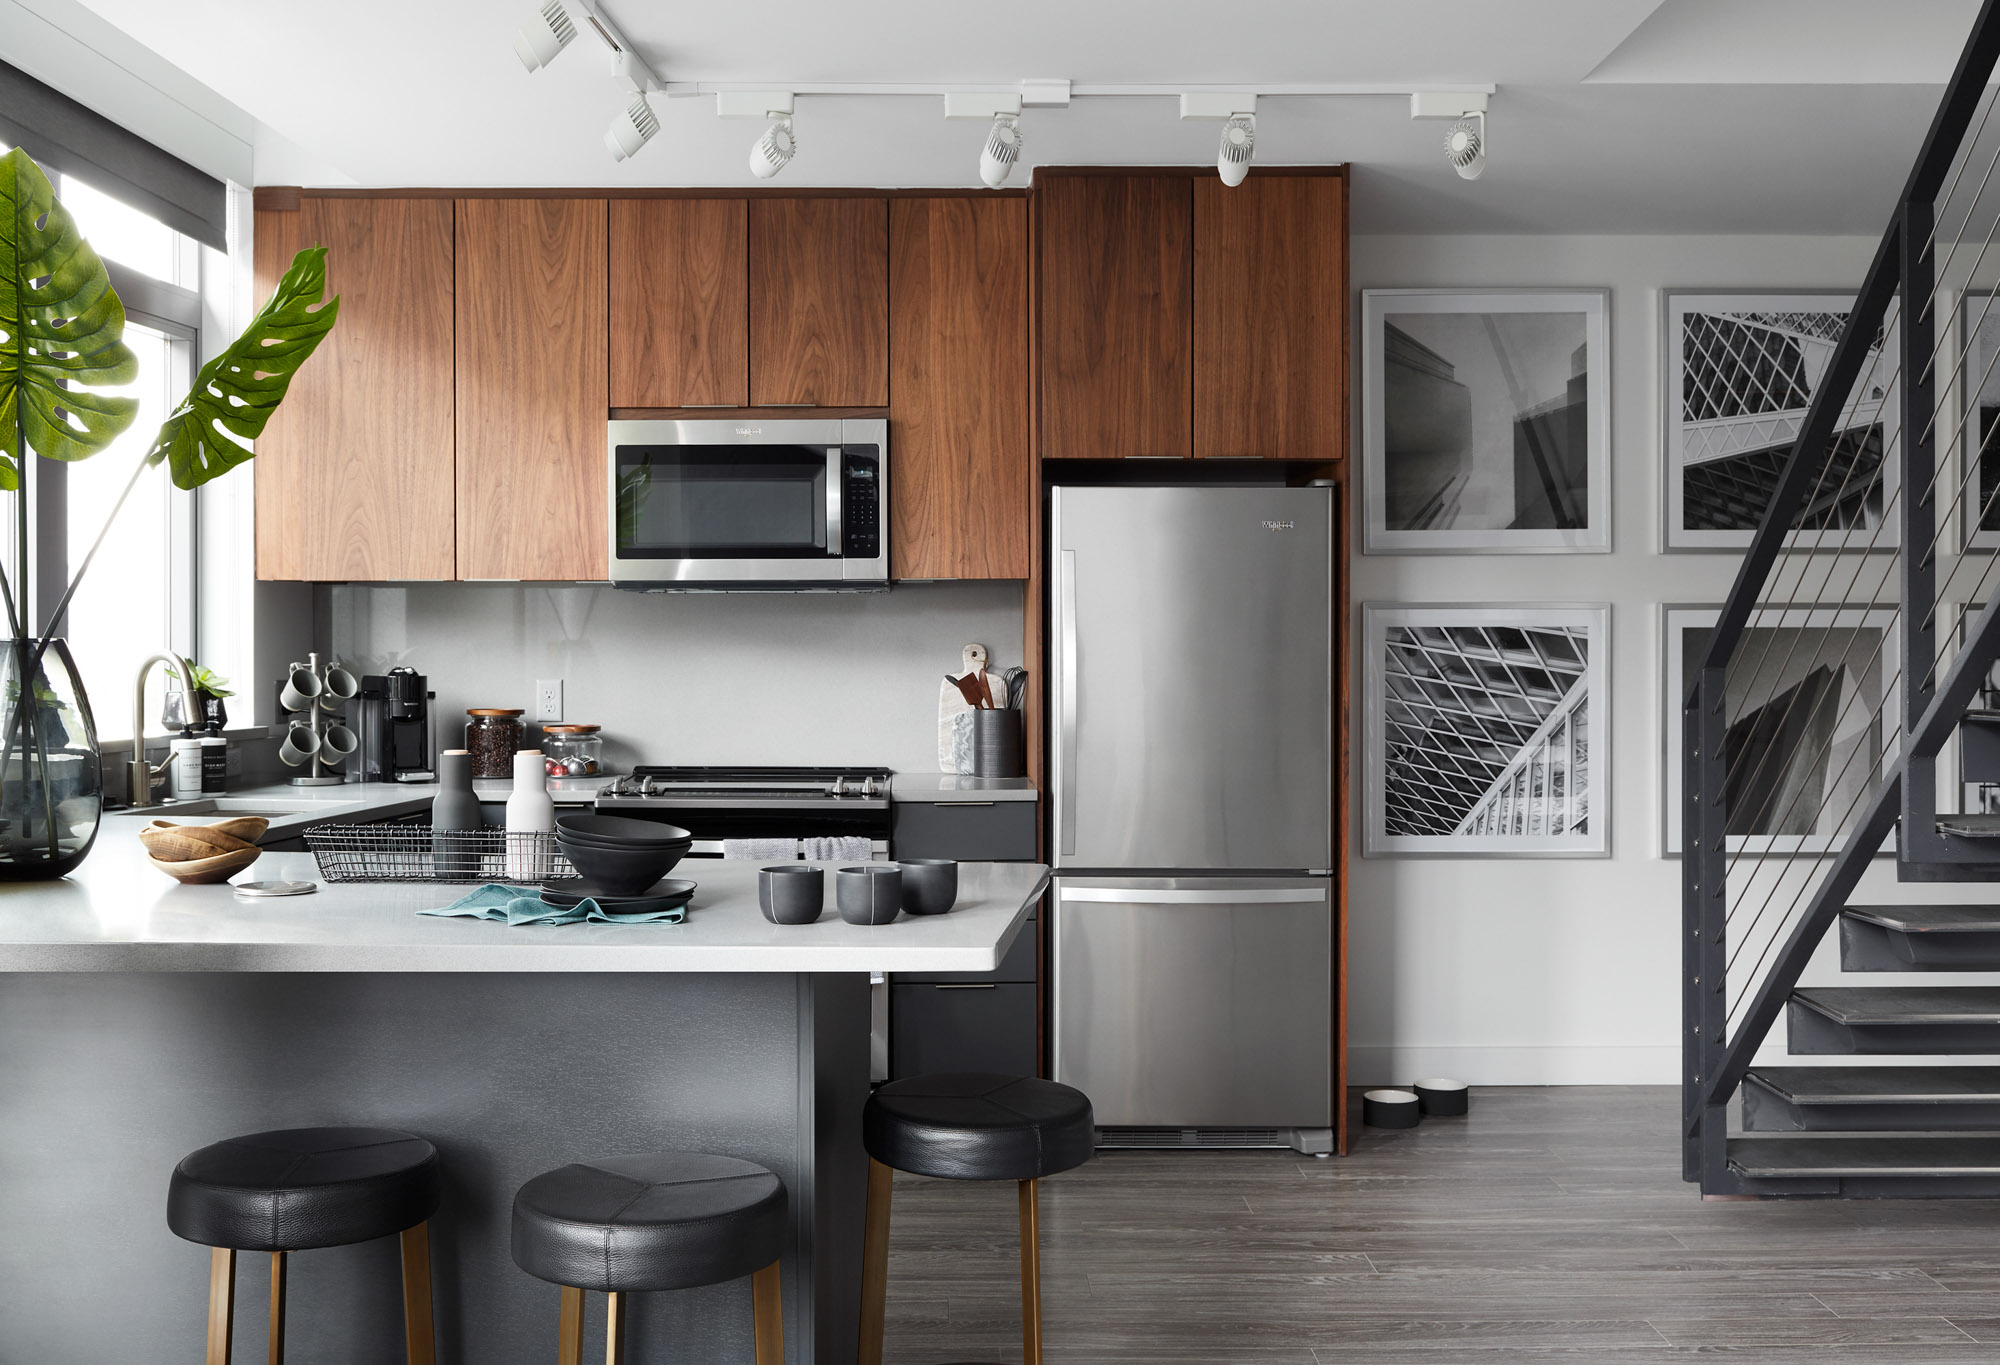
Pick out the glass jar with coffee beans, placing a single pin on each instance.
(492, 736)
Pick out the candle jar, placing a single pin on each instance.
(573, 750)
(493, 734)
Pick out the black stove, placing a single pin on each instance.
(716, 803)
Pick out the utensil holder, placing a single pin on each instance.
(996, 743)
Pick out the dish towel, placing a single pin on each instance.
(524, 905)
(761, 850)
(844, 848)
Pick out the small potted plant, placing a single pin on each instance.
(210, 687)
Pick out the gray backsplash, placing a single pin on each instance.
(816, 678)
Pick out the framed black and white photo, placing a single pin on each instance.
(1978, 496)
(1740, 372)
(1486, 730)
(1808, 697)
(1486, 421)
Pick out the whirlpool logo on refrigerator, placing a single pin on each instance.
(1279, 525)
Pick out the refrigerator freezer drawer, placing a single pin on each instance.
(1191, 1002)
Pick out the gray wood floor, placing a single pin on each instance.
(1552, 1224)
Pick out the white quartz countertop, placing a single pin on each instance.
(958, 787)
(117, 913)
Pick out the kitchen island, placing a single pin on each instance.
(140, 1020)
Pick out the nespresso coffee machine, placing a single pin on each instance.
(394, 725)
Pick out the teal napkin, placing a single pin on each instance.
(524, 905)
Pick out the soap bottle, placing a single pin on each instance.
(530, 811)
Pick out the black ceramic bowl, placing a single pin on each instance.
(869, 894)
(621, 871)
(930, 885)
(618, 830)
(1441, 1098)
(791, 893)
(1389, 1109)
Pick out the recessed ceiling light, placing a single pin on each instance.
(548, 31)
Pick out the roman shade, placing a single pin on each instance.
(67, 137)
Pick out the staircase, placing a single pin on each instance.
(1877, 1081)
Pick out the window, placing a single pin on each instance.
(139, 597)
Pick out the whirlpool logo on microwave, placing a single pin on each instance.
(749, 431)
(1279, 525)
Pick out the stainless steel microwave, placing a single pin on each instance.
(750, 505)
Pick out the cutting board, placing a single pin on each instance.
(955, 712)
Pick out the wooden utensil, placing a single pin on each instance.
(973, 688)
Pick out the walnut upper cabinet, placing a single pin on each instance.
(1115, 310)
(354, 473)
(960, 501)
(680, 303)
(1270, 307)
(819, 302)
(532, 388)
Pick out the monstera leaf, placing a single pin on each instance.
(236, 393)
(61, 330)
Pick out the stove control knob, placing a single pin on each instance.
(840, 785)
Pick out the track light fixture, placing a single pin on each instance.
(774, 151)
(547, 32)
(1002, 114)
(1239, 144)
(771, 152)
(1238, 113)
(1465, 143)
(631, 128)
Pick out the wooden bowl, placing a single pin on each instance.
(185, 843)
(201, 871)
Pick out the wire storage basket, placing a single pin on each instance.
(418, 853)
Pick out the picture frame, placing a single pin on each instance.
(1486, 730)
(1486, 421)
(1737, 375)
(1780, 662)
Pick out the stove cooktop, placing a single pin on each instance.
(788, 785)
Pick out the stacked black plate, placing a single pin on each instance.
(662, 896)
(619, 857)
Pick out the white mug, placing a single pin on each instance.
(337, 743)
(341, 687)
(299, 745)
(301, 687)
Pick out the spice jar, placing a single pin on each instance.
(572, 750)
(492, 736)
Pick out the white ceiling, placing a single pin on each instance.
(1611, 115)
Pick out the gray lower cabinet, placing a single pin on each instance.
(967, 1021)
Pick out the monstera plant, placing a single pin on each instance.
(61, 346)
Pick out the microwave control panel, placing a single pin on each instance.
(861, 520)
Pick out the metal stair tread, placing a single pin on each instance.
(1894, 1005)
(1970, 826)
(1880, 1084)
(1929, 919)
(1845, 1154)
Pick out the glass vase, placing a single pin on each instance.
(51, 774)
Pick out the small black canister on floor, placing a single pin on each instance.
(1389, 1109)
(1440, 1098)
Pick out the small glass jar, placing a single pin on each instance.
(573, 750)
(492, 736)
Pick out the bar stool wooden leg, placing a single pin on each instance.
(221, 1303)
(569, 1344)
(875, 1264)
(277, 1351)
(614, 1329)
(419, 1331)
(1031, 1276)
(770, 1316)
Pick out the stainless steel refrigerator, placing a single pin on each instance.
(1192, 737)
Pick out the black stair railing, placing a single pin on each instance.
(1882, 481)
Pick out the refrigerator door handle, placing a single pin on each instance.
(1123, 896)
(1066, 683)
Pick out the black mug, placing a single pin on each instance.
(996, 743)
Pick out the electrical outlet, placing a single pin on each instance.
(548, 699)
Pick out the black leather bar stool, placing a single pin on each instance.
(968, 1126)
(301, 1188)
(667, 1220)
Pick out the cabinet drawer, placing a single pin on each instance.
(999, 832)
(1017, 965)
(936, 1028)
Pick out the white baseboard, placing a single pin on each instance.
(1580, 1065)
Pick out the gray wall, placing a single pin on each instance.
(699, 678)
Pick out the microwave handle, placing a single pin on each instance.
(836, 487)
